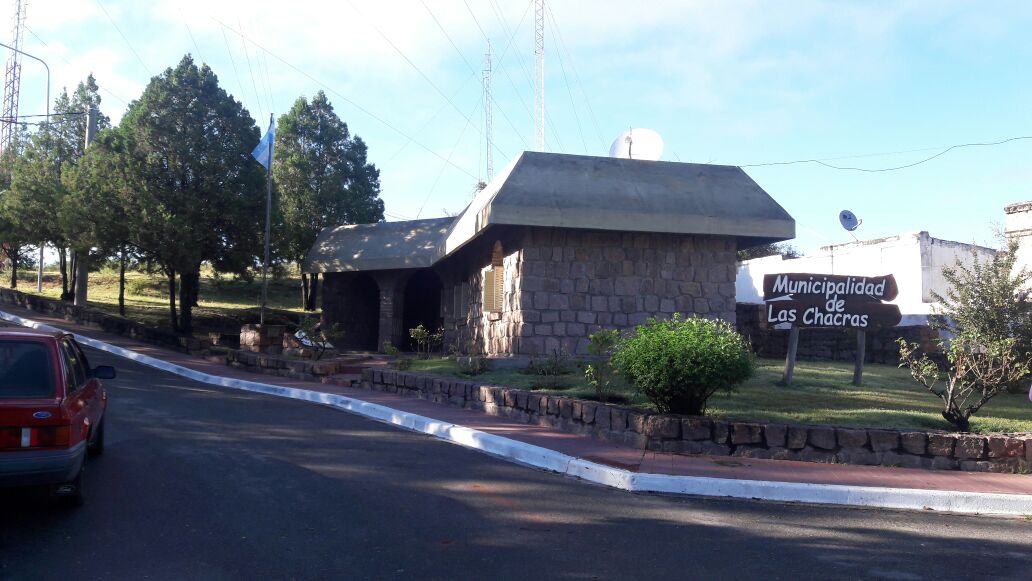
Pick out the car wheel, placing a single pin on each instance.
(96, 447)
(73, 494)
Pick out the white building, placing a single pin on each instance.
(915, 259)
(1018, 225)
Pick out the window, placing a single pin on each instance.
(25, 370)
(494, 281)
(76, 372)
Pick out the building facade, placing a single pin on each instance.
(553, 249)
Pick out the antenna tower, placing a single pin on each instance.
(12, 79)
(539, 81)
(487, 111)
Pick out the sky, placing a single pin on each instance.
(870, 85)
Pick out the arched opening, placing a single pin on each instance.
(422, 304)
(352, 300)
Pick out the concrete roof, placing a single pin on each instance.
(605, 193)
(570, 191)
(380, 246)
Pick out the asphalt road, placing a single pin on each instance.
(200, 482)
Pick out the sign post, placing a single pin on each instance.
(805, 300)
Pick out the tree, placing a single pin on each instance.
(987, 315)
(322, 179)
(93, 214)
(198, 193)
(773, 249)
(12, 236)
(36, 188)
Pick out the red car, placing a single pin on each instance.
(52, 407)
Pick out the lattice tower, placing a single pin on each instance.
(12, 80)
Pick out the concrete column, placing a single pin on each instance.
(392, 305)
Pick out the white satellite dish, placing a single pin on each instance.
(637, 144)
(849, 220)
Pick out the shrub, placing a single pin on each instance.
(472, 364)
(425, 340)
(400, 362)
(979, 369)
(680, 363)
(551, 370)
(600, 374)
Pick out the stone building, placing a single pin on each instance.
(554, 248)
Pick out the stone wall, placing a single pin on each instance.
(98, 320)
(701, 435)
(829, 344)
(561, 285)
(268, 364)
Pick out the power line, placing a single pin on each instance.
(576, 75)
(68, 62)
(884, 169)
(470, 66)
(566, 81)
(193, 40)
(247, 56)
(232, 61)
(450, 154)
(342, 97)
(127, 43)
(414, 66)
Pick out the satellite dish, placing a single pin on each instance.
(849, 220)
(637, 144)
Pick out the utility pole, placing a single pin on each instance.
(82, 264)
(268, 229)
(487, 112)
(12, 79)
(539, 80)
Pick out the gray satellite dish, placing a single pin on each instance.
(637, 144)
(849, 220)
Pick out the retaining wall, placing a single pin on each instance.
(701, 435)
(103, 321)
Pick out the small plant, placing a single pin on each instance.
(678, 364)
(601, 374)
(551, 369)
(472, 365)
(979, 369)
(400, 362)
(425, 340)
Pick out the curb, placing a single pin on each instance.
(553, 461)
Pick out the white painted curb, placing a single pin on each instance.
(538, 457)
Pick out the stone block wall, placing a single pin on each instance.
(829, 344)
(99, 320)
(561, 285)
(1009, 453)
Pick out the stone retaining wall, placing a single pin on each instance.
(285, 367)
(700, 435)
(98, 320)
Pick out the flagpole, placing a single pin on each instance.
(268, 229)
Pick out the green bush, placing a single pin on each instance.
(680, 363)
(600, 374)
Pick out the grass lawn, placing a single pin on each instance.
(224, 303)
(821, 392)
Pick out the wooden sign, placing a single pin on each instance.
(800, 300)
(825, 300)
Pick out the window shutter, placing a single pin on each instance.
(499, 287)
(489, 290)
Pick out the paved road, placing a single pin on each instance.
(205, 483)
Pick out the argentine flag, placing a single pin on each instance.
(263, 151)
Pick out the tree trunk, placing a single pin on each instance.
(82, 278)
(304, 291)
(188, 282)
(62, 260)
(74, 271)
(173, 319)
(195, 289)
(13, 255)
(121, 283)
(313, 291)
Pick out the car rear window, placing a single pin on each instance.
(25, 370)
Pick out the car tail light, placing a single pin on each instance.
(43, 437)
